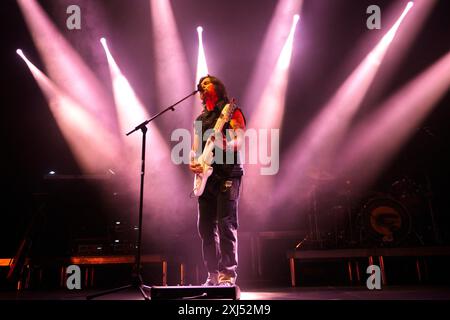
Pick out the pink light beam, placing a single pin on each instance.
(95, 148)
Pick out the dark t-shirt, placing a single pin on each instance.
(226, 168)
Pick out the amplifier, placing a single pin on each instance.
(88, 246)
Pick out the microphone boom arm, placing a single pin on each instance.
(143, 124)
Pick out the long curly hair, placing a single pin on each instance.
(218, 85)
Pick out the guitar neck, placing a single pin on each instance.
(220, 122)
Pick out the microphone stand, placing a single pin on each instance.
(136, 276)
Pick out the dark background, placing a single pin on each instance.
(33, 144)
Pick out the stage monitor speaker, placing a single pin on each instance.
(194, 292)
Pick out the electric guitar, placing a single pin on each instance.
(206, 158)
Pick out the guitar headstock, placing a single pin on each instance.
(229, 109)
(233, 105)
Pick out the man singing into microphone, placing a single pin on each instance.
(218, 204)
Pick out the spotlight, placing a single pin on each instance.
(19, 52)
(52, 172)
(202, 67)
(410, 4)
(66, 64)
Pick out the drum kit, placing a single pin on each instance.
(400, 216)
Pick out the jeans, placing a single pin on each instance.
(218, 223)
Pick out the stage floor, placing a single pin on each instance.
(286, 293)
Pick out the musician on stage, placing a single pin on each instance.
(218, 204)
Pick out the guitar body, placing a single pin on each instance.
(206, 158)
(200, 181)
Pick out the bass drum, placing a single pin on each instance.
(383, 221)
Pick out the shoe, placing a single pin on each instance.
(212, 280)
(225, 280)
